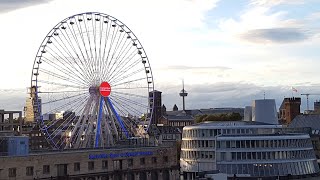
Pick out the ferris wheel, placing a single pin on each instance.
(91, 83)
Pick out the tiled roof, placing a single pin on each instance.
(306, 120)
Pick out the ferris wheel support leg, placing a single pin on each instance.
(98, 128)
(118, 118)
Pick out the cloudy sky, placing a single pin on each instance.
(228, 52)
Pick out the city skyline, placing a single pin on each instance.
(227, 52)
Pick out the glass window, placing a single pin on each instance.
(165, 159)
(154, 160)
(12, 172)
(104, 164)
(46, 169)
(142, 161)
(76, 166)
(29, 171)
(130, 162)
(90, 165)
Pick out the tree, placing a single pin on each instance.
(219, 117)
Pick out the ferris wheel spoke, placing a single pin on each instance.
(75, 37)
(50, 92)
(123, 60)
(84, 45)
(60, 84)
(120, 121)
(130, 107)
(64, 55)
(108, 59)
(130, 94)
(65, 106)
(118, 43)
(80, 83)
(67, 38)
(131, 88)
(127, 82)
(60, 68)
(65, 63)
(90, 47)
(69, 128)
(126, 68)
(57, 109)
(68, 120)
(130, 101)
(104, 61)
(64, 98)
(81, 123)
(100, 44)
(94, 25)
(122, 77)
(64, 49)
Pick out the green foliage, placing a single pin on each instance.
(219, 117)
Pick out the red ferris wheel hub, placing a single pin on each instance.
(105, 89)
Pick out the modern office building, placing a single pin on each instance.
(246, 149)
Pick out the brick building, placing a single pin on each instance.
(289, 109)
(99, 164)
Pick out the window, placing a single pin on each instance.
(12, 172)
(142, 161)
(165, 159)
(130, 162)
(117, 164)
(29, 171)
(154, 160)
(46, 169)
(90, 165)
(76, 166)
(104, 164)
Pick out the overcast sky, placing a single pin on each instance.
(228, 52)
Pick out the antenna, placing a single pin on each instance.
(183, 93)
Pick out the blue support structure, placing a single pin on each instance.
(118, 118)
(96, 145)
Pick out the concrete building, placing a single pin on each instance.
(289, 109)
(139, 163)
(247, 113)
(246, 149)
(264, 110)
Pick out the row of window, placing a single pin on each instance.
(200, 133)
(232, 156)
(273, 169)
(275, 155)
(117, 165)
(197, 154)
(284, 143)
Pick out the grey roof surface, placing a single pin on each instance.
(229, 123)
(195, 112)
(306, 120)
(179, 118)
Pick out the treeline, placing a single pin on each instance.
(219, 117)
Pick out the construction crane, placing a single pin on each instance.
(307, 95)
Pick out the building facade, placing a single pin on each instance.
(246, 149)
(289, 109)
(141, 163)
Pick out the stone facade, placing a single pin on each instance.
(98, 164)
